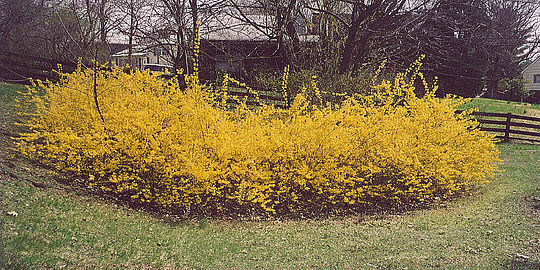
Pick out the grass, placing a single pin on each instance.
(8, 92)
(59, 226)
(501, 106)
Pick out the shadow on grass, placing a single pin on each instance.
(520, 264)
(11, 261)
(74, 184)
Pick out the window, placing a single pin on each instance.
(536, 78)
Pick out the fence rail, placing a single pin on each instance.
(18, 67)
(504, 125)
(263, 96)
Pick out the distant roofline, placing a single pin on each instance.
(532, 63)
(125, 53)
(157, 65)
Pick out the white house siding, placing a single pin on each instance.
(121, 59)
(528, 75)
(141, 57)
(159, 56)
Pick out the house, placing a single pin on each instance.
(242, 44)
(230, 42)
(141, 57)
(532, 75)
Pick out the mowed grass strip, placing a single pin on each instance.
(501, 106)
(49, 225)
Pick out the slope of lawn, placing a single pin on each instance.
(501, 106)
(45, 224)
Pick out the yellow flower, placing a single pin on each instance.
(155, 143)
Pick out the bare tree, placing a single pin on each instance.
(472, 44)
(369, 25)
(279, 24)
(348, 33)
(133, 14)
(87, 24)
(166, 32)
(513, 41)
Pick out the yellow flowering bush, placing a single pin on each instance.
(140, 137)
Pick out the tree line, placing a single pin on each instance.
(474, 47)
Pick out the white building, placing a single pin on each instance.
(532, 75)
(141, 57)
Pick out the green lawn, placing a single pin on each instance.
(46, 224)
(500, 106)
(8, 92)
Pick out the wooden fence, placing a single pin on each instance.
(508, 126)
(505, 126)
(268, 97)
(18, 68)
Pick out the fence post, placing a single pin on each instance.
(507, 129)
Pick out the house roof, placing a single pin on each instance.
(125, 53)
(230, 27)
(531, 64)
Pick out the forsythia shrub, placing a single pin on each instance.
(136, 135)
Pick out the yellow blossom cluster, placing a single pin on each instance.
(152, 142)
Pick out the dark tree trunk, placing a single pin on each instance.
(348, 47)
